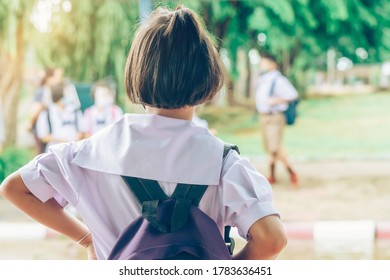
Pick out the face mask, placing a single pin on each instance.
(104, 101)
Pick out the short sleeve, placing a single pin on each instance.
(285, 89)
(247, 195)
(52, 175)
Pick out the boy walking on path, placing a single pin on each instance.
(273, 94)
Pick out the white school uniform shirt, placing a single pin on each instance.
(200, 122)
(282, 89)
(86, 174)
(96, 119)
(63, 123)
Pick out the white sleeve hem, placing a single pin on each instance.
(38, 187)
(252, 215)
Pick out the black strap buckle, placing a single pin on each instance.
(230, 245)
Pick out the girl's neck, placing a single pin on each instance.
(185, 113)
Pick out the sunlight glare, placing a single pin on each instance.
(42, 15)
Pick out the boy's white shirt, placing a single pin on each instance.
(60, 131)
(283, 89)
(109, 114)
(85, 175)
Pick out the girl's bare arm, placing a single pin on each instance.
(50, 213)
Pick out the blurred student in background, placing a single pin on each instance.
(62, 121)
(42, 100)
(104, 111)
(273, 94)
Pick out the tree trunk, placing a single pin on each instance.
(10, 84)
(285, 61)
(248, 80)
(230, 93)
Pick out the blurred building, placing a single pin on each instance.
(348, 78)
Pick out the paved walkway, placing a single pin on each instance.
(335, 201)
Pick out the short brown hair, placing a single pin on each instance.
(57, 92)
(172, 62)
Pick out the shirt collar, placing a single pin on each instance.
(154, 147)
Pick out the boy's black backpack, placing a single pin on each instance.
(171, 228)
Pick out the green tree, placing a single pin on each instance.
(91, 41)
(13, 25)
(301, 32)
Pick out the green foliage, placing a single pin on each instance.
(4, 10)
(335, 10)
(12, 159)
(281, 10)
(90, 42)
(300, 30)
(222, 10)
(259, 20)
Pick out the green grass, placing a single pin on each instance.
(345, 126)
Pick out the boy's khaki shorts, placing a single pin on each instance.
(272, 127)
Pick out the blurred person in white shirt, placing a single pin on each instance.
(104, 111)
(62, 121)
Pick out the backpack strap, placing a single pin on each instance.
(230, 243)
(144, 189)
(227, 147)
(148, 193)
(194, 193)
(76, 119)
(185, 195)
(49, 121)
(272, 88)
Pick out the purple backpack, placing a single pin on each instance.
(171, 228)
